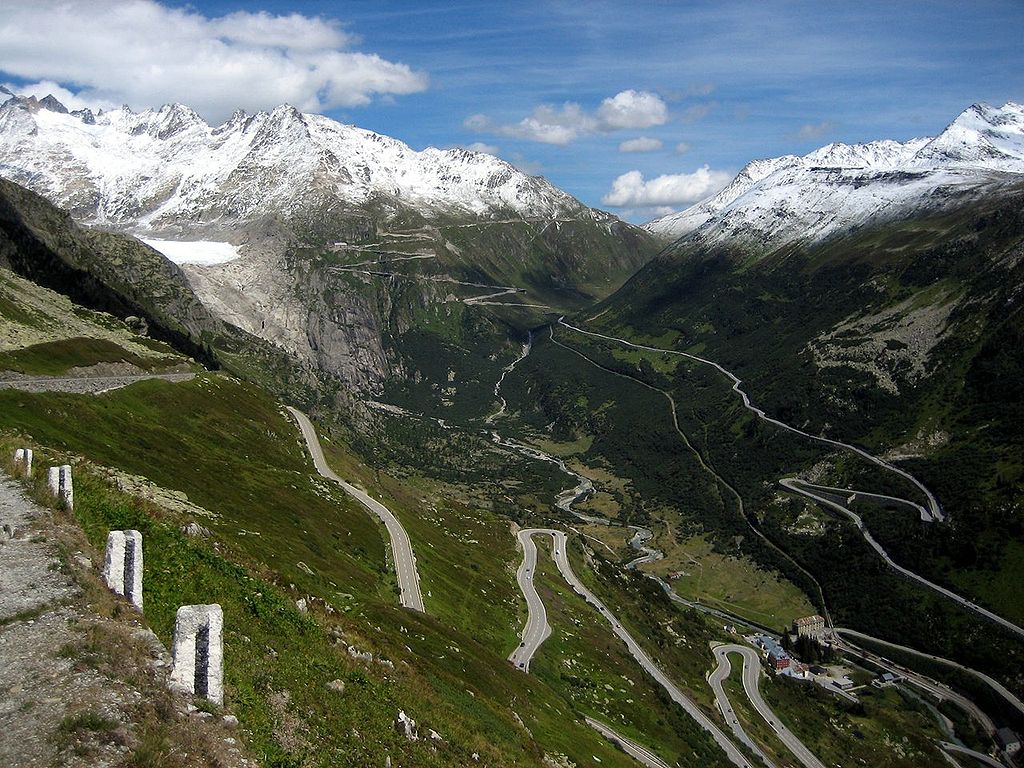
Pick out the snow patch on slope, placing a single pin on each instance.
(205, 252)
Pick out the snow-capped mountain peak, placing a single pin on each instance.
(791, 198)
(149, 170)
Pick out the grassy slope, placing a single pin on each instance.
(232, 452)
(54, 358)
(280, 532)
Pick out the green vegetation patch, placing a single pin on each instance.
(53, 358)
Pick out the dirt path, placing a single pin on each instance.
(83, 683)
(85, 384)
(41, 685)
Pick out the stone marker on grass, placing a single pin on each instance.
(59, 479)
(198, 666)
(23, 460)
(122, 569)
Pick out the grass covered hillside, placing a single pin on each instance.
(214, 473)
(899, 338)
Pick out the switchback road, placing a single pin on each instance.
(933, 512)
(715, 679)
(798, 486)
(561, 558)
(751, 676)
(537, 629)
(401, 546)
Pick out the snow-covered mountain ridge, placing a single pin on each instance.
(159, 168)
(790, 198)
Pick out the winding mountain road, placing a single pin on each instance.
(537, 629)
(638, 752)
(715, 679)
(751, 676)
(995, 685)
(401, 546)
(539, 623)
(933, 512)
(798, 486)
(981, 757)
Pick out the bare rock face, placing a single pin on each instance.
(322, 324)
(198, 654)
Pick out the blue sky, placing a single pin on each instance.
(556, 87)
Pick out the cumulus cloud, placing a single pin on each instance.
(479, 146)
(682, 148)
(145, 54)
(640, 144)
(813, 131)
(632, 190)
(549, 124)
(44, 88)
(632, 109)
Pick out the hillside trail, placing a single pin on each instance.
(79, 688)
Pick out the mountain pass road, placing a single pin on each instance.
(751, 677)
(561, 558)
(401, 546)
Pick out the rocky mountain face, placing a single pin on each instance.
(806, 199)
(309, 203)
(115, 273)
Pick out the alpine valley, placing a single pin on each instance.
(616, 451)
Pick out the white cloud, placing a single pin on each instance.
(145, 54)
(632, 109)
(551, 125)
(563, 124)
(479, 146)
(45, 88)
(630, 189)
(682, 148)
(815, 130)
(640, 144)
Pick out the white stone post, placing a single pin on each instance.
(122, 569)
(67, 492)
(23, 459)
(59, 480)
(198, 654)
